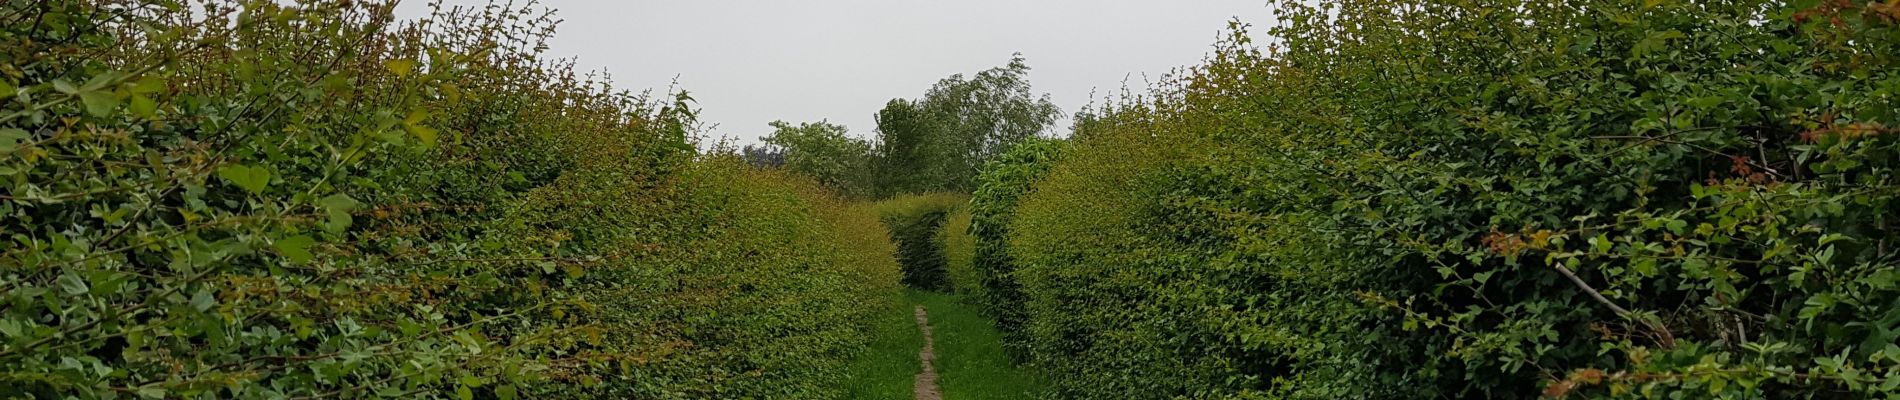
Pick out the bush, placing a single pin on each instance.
(260, 200)
(1485, 200)
(913, 220)
(1003, 183)
(959, 252)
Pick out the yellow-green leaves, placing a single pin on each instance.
(252, 179)
(413, 124)
(400, 67)
(142, 105)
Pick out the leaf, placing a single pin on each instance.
(72, 285)
(99, 103)
(202, 300)
(426, 134)
(1707, 102)
(148, 85)
(574, 271)
(400, 67)
(253, 179)
(471, 381)
(338, 207)
(63, 86)
(10, 139)
(295, 248)
(506, 392)
(7, 90)
(144, 107)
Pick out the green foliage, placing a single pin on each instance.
(959, 251)
(823, 151)
(913, 221)
(260, 200)
(1485, 200)
(1003, 183)
(938, 142)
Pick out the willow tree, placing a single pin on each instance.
(938, 142)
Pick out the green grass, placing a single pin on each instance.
(887, 369)
(970, 358)
(971, 364)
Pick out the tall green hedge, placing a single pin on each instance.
(311, 200)
(1003, 183)
(1486, 199)
(914, 221)
(959, 252)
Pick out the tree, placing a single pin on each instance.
(940, 141)
(823, 151)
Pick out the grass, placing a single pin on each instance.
(885, 371)
(971, 364)
(970, 357)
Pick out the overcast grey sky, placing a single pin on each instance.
(750, 62)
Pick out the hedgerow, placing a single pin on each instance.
(959, 252)
(1002, 184)
(913, 220)
(1413, 199)
(312, 200)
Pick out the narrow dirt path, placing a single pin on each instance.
(927, 380)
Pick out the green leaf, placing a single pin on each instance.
(7, 90)
(295, 248)
(424, 133)
(400, 67)
(144, 107)
(574, 271)
(462, 392)
(152, 392)
(10, 139)
(202, 300)
(99, 103)
(471, 381)
(63, 86)
(253, 179)
(1676, 226)
(338, 207)
(148, 85)
(72, 285)
(505, 392)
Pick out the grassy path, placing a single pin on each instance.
(970, 362)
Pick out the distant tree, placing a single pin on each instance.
(910, 155)
(763, 156)
(940, 141)
(822, 150)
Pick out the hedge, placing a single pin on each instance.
(914, 220)
(265, 200)
(959, 252)
(1485, 199)
(1002, 183)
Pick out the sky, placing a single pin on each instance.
(751, 62)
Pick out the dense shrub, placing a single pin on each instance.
(1002, 184)
(1486, 199)
(260, 200)
(959, 252)
(913, 220)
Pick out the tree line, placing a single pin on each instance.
(931, 144)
